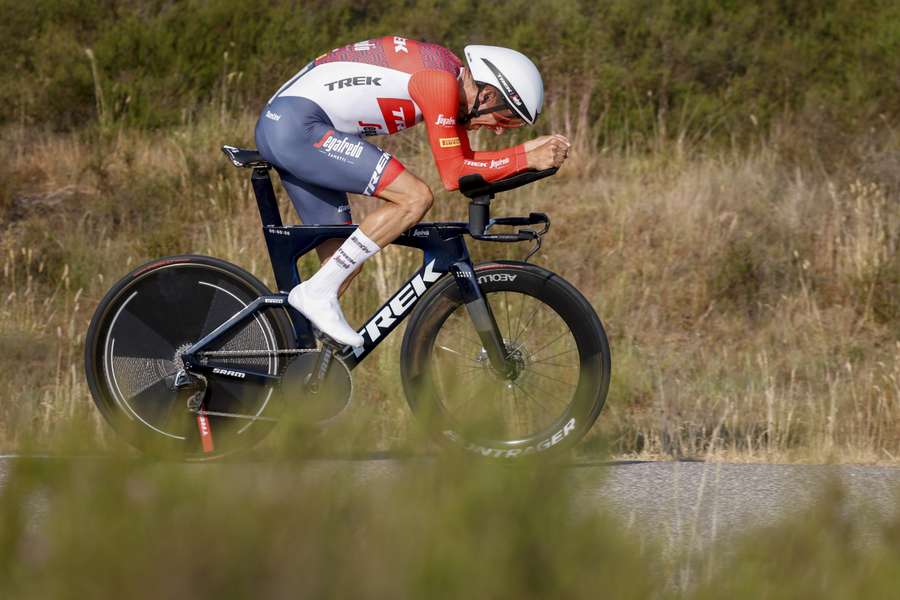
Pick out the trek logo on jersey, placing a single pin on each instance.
(398, 113)
(363, 46)
(474, 163)
(445, 121)
(377, 173)
(332, 145)
(390, 314)
(449, 142)
(496, 164)
(400, 45)
(353, 81)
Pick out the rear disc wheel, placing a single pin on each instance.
(140, 331)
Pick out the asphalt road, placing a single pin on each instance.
(689, 505)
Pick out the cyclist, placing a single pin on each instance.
(312, 131)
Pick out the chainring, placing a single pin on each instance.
(332, 397)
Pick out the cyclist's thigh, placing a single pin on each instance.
(296, 135)
(315, 204)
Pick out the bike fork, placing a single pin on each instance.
(482, 317)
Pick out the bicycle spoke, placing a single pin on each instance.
(570, 350)
(539, 374)
(528, 323)
(521, 309)
(506, 310)
(469, 370)
(550, 343)
(456, 353)
(466, 365)
(524, 410)
(533, 399)
(550, 364)
(457, 316)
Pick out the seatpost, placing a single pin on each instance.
(265, 197)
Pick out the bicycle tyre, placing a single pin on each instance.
(152, 313)
(500, 280)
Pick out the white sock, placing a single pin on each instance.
(352, 253)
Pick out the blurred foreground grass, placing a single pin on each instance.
(443, 528)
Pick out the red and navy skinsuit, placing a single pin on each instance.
(312, 130)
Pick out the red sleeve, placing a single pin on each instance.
(437, 95)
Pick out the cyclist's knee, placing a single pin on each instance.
(415, 199)
(421, 200)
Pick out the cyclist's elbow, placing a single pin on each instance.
(450, 181)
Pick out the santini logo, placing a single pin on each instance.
(394, 310)
(229, 372)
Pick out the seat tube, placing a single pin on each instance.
(480, 313)
(265, 197)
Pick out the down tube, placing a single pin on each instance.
(392, 312)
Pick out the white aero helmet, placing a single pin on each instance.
(513, 74)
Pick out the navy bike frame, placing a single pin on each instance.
(444, 251)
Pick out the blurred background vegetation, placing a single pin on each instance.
(739, 163)
(693, 68)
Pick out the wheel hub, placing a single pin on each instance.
(179, 352)
(517, 359)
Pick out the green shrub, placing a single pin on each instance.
(649, 69)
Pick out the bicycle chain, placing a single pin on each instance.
(255, 353)
(195, 401)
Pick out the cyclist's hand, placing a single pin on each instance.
(540, 141)
(547, 151)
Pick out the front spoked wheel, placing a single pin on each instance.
(556, 347)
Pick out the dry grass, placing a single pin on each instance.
(752, 305)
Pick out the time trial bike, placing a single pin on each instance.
(505, 359)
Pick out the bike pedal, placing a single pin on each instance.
(327, 340)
